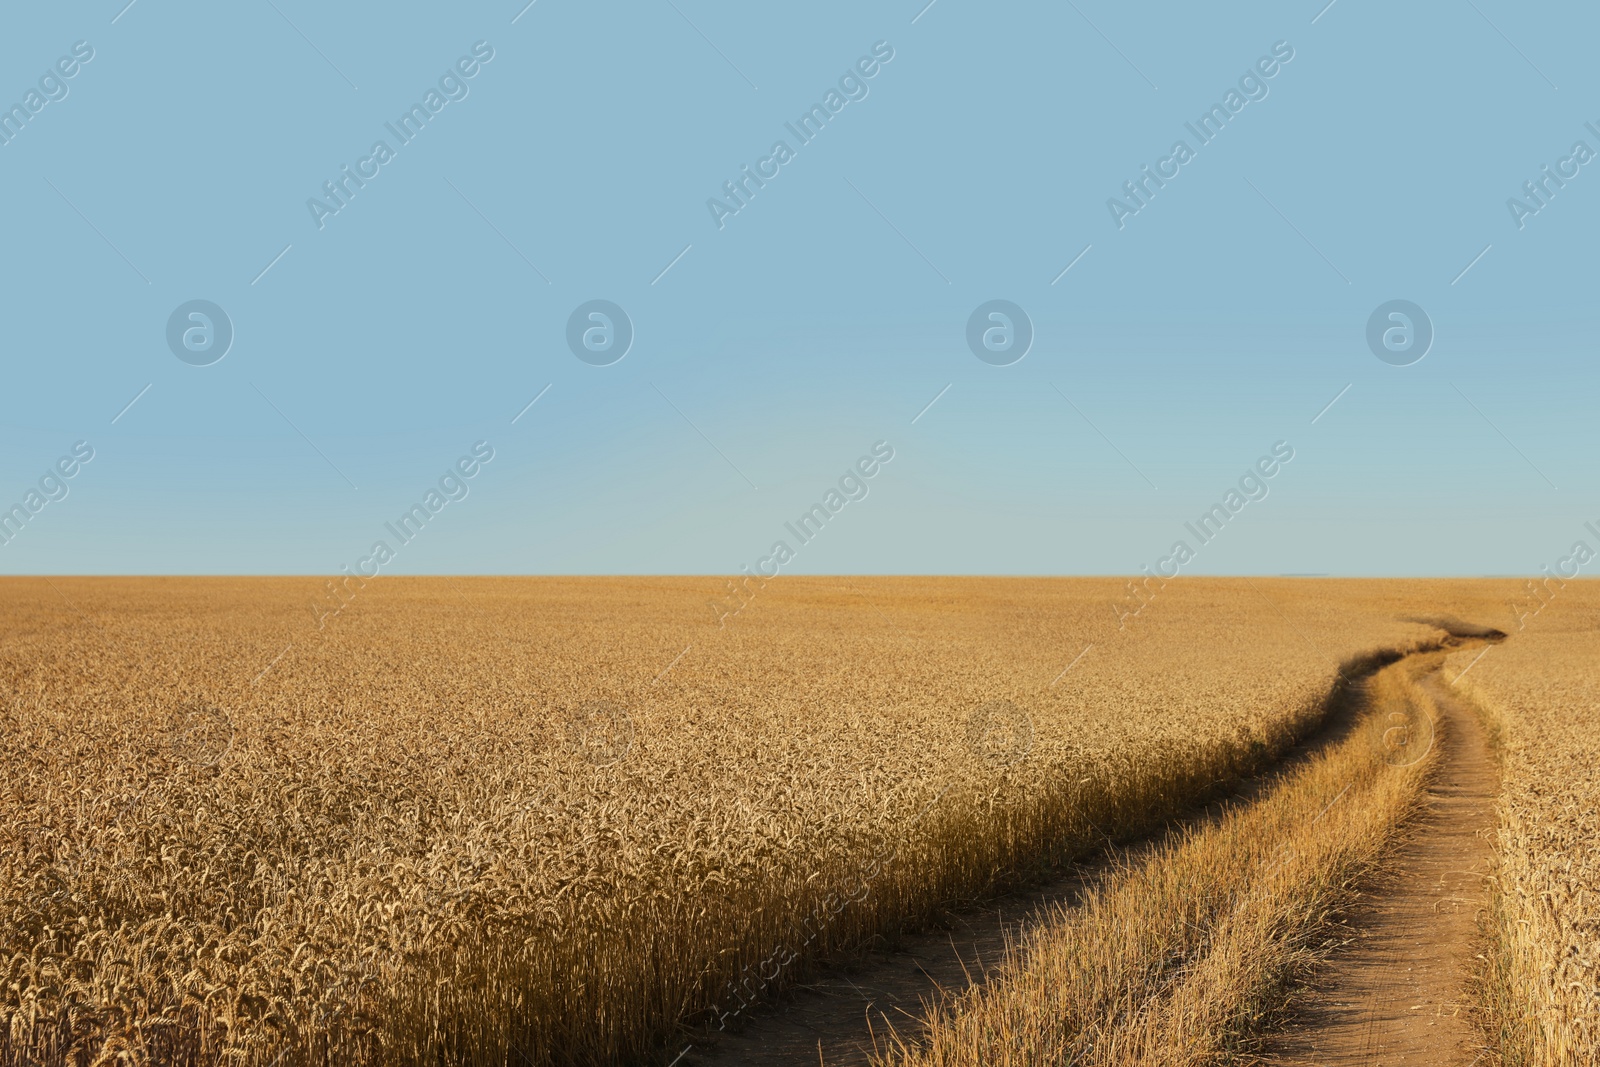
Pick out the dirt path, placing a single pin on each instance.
(1398, 994)
(1395, 995)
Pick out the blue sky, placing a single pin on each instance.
(371, 352)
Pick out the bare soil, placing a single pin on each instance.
(833, 1019)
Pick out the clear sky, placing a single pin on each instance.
(374, 345)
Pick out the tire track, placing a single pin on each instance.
(1399, 991)
(841, 1015)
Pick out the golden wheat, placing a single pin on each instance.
(1541, 691)
(544, 821)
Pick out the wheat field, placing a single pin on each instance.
(1541, 692)
(550, 821)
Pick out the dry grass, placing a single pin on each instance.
(421, 839)
(1541, 691)
(1180, 958)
